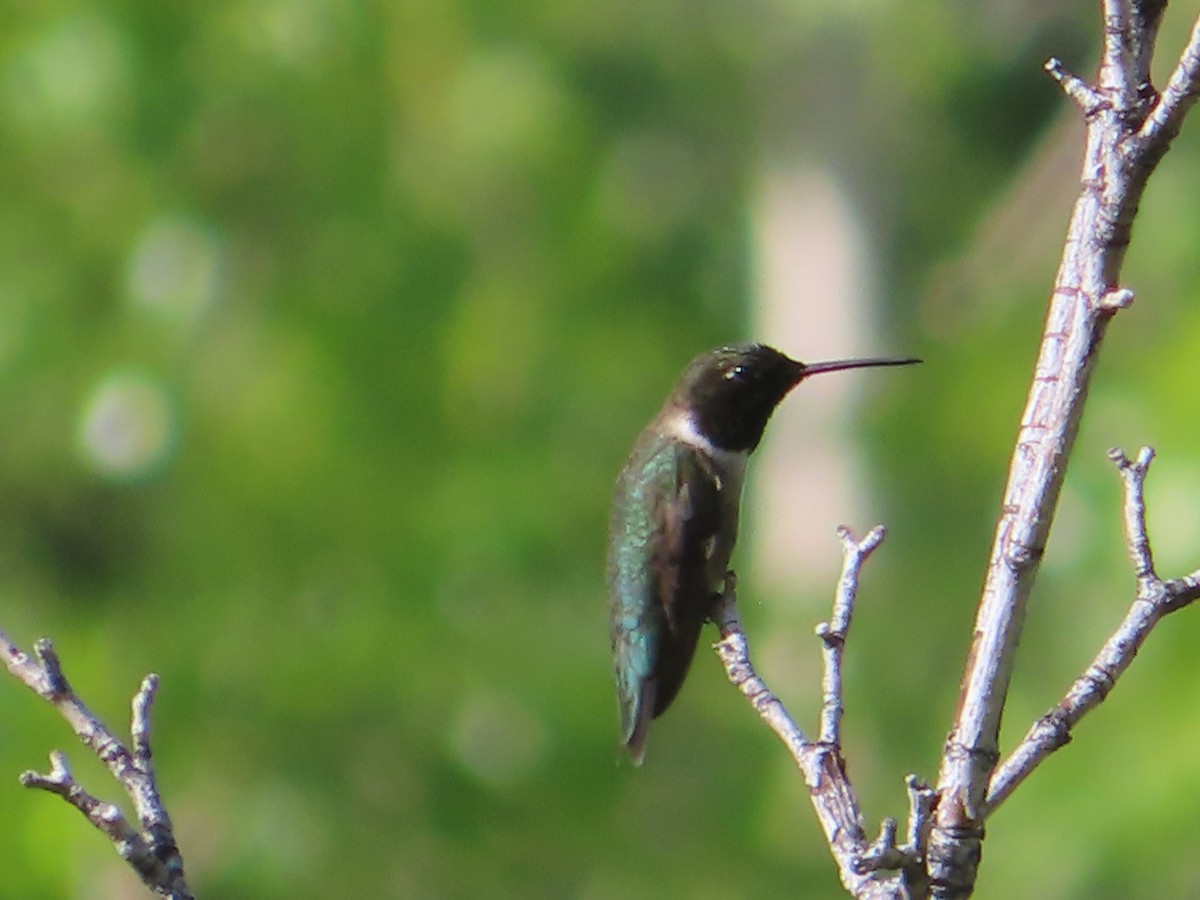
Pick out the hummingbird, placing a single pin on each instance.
(675, 517)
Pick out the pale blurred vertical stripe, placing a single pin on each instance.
(815, 284)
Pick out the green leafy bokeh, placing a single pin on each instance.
(324, 328)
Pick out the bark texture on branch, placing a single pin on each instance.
(1130, 127)
(883, 868)
(149, 847)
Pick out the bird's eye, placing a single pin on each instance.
(735, 374)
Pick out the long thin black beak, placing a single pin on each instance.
(837, 365)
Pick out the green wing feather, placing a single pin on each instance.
(666, 511)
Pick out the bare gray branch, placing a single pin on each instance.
(834, 632)
(1129, 130)
(867, 869)
(1155, 598)
(150, 850)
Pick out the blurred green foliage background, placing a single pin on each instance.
(324, 328)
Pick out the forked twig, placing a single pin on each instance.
(1155, 598)
(879, 868)
(151, 849)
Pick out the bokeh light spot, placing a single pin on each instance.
(128, 426)
(175, 268)
(497, 739)
(73, 74)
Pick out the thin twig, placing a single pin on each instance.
(864, 868)
(834, 632)
(106, 817)
(883, 853)
(734, 652)
(1155, 598)
(1145, 20)
(1087, 97)
(921, 798)
(1117, 65)
(150, 850)
(1166, 118)
(1133, 475)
